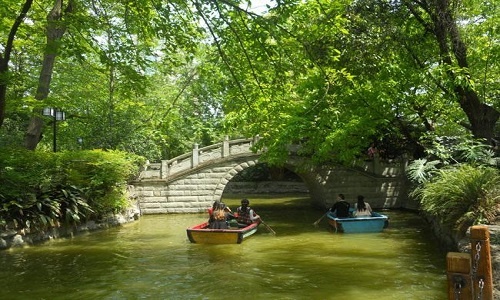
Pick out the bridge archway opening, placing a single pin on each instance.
(265, 181)
(264, 172)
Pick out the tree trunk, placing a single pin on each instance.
(5, 57)
(482, 117)
(55, 31)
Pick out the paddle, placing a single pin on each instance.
(268, 227)
(319, 220)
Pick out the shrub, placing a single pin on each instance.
(40, 189)
(462, 196)
(103, 176)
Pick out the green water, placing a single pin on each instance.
(153, 259)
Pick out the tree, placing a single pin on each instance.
(443, 19)
(434, 63)
(331, 76)
(335, 76)
(136, 32)
(55, 30)
(8, 48)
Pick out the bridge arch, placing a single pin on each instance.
(219, 190)
(191, 182)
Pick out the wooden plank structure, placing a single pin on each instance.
(470, 276)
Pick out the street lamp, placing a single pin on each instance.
(57, 115)
(79, 140)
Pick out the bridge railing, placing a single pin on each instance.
(184, 162)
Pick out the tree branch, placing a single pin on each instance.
(221, 52)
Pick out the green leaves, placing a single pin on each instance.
(44, 189)
(460, 186)
(463, 196)
(333, 75)
(422, 171)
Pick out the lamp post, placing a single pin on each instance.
(79, 140)
(57, 115)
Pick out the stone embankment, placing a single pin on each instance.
(19, 238)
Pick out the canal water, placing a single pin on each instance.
(153, 259)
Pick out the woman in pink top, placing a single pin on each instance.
(363, 209)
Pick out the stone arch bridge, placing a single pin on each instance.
(191, 182)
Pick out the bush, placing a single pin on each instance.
(103, 176)
(40, 189)
(462, 196)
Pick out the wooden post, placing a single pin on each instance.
(482, 274)
(458, 273)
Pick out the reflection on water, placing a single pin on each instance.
(153, 259)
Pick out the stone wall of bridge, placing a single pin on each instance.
(380, 191)
(193, 192)
(190, 183)
(266, 187)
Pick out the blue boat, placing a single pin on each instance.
(376, 223)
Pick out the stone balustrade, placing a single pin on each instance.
(168, 169)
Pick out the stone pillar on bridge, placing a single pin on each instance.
(225, 147)
(195, 159)
(164, 169)
(256, 139)
(377, 169)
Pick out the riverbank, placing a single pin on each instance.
(450, 242)
(19, 238)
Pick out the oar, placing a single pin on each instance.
(268, 227)
(319, 220)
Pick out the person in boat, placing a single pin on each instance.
(362, 208)
(246, 215)
(219, 215)
(341, 207)
(211, 211)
